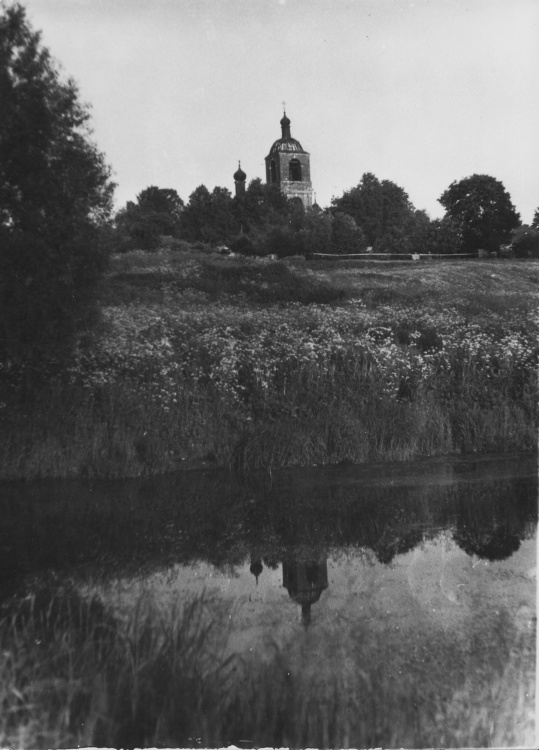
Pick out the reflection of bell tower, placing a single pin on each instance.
(305, 582)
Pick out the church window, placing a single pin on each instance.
(273, 172)
(294, 170)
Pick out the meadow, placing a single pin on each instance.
(202, 360)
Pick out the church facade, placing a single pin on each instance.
(288, 167)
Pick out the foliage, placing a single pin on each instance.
(209, 216)
(55, 197)
(444, 237)
(157, 212)
(525, 242)
(483, 208)
(346, 236)
(261, 206)
(535, 221)
(379, 208)
(261, 363)
(243, 245)
(417, 232)
(282, 241)
(316, 233)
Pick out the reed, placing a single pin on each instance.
(74, 675)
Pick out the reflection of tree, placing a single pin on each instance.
(497, 543)
(202, 517)
(394, 542)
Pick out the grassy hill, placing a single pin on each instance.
(201, 360)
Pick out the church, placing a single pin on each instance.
(288, 167)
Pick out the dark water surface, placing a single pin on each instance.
(398, 601)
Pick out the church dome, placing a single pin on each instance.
(304, 597)
(287, 145)
(240, 175)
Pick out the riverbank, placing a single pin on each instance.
(253, 364)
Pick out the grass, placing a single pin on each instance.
(254, 364)
(72, 674)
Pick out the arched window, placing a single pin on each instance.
(294, 170)
(297, 205)
(273, 171)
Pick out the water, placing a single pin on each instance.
(398, 602)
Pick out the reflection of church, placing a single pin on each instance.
(304, 580)
(288, 167)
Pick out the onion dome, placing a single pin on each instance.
(286, 144)
(239, 175)
(256, 569)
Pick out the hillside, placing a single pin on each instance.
(201, 360)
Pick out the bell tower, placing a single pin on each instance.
(288, 166)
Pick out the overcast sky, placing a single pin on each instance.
(421, 93)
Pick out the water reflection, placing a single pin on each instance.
(304, 579)
(367, 610)
(130, 527)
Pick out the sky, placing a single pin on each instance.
(422, 93)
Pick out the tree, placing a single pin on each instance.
(535, 222)
(223, 223)
(444, 236)
(525, 242)
(162, 207)
(196, 214)
(417, 232)
(157, 212)
(55, 198)
(379, 208)
(261, 206)
(316, 232)
(484, 209)
(209, 217)
(346, 236)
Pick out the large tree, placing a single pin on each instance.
(209, 217)
(157, 212)
(346, 236)
(483, 208)
(262, 206)
(380, 208)
(55, 197)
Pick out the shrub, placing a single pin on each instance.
(525, 242)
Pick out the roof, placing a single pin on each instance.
(287, 145)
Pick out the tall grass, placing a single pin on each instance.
(73, 675)
(126, 434)
(254, 364)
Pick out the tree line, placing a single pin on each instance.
(375, 216)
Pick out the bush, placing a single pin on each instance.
(243, 245)
(525, 242)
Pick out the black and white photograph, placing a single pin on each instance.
(269, 314)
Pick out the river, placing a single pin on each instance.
(377, 605)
